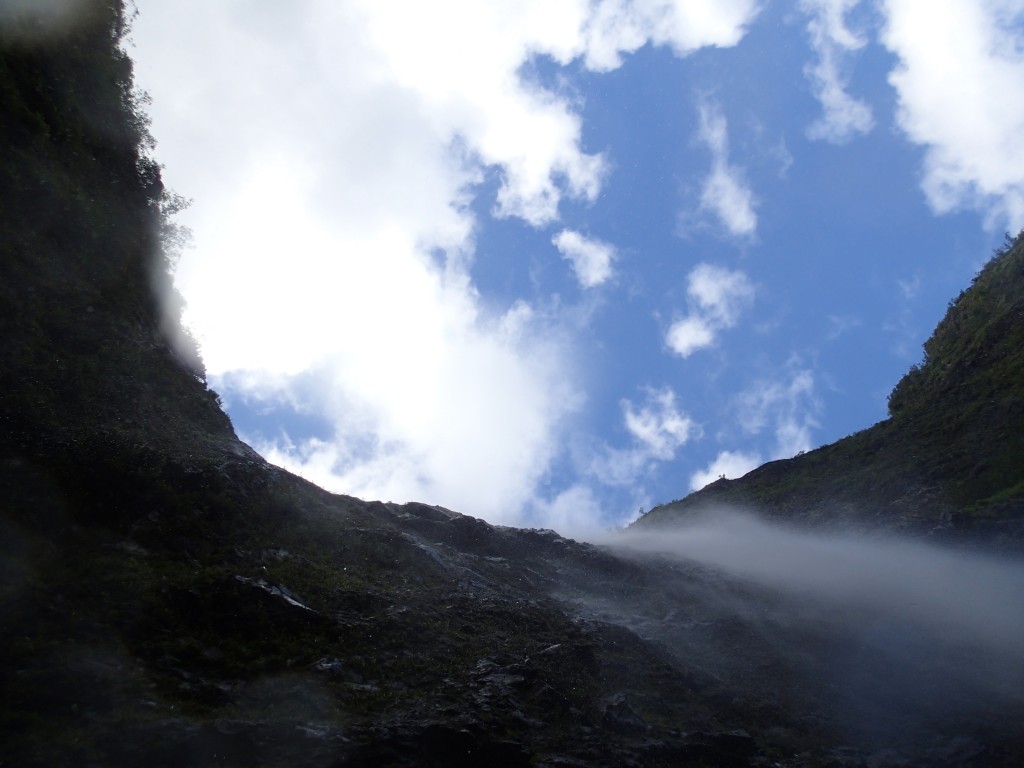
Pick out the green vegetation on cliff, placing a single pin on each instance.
(82, 262)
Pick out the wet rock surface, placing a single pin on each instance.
(167, 598)
(304, 628)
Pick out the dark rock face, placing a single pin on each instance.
(168, 598)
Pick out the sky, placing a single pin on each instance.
(552, 262)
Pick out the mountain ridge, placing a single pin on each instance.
(949, 460)
(168, 598)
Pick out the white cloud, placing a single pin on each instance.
(959, 80)
(658, 429)
(658, 426)
(720, 293)
(725, 192)
(716, 296)
(728, 464)
(591, 259)
(620, 26)
(530, 133)
(686, 336)
(461, 415)
(788, 407)
(575, 512)
(334, 151)
(844, 116)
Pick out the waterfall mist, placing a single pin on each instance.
(962, 597)
(873, 638)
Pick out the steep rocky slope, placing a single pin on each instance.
(948, 461)
(169, 598)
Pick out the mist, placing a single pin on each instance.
(962, 596)
(976, 598)
(876, 638)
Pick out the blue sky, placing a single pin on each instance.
(547, 262)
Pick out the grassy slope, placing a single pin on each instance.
(951, 455)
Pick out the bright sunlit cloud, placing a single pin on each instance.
(959, 81)
(336, 150)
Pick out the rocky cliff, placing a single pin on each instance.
(169, 598)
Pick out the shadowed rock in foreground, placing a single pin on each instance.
(169, 598)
